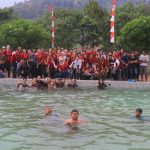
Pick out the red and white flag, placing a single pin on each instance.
(52, 25)
(112, 20)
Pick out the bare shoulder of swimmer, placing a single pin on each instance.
(68, 121)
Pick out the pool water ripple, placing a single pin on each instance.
(108, 113)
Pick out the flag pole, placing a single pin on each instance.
(52, 25)
(112, 20)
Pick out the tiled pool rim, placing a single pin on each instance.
(89, 84)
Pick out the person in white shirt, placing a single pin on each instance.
(115, 70)
(76, 66)
(144, 59)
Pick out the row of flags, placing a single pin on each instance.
(112, 20)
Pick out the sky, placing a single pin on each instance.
(8, 3)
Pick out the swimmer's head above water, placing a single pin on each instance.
(48, 110)
(138, 112)
(74, 114)
(74, 121)
(21, 87)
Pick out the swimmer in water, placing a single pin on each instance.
(74, 120)
(138, 113)
(21, 87)
(48, 110)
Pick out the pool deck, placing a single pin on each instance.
(89, 84)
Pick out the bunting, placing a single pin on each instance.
(52, 25)
(112, 20)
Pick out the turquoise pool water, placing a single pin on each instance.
(108, 114)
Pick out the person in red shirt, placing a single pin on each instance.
(63, 69)
(39, 64)
(51, 67)
(15, 59)
(8, 54)
(14, 64)
(25, 55)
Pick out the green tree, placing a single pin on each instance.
(67, 26)
(94, 11)
(6, 15)
(27, 34)
(89, 29)
(128, 12)
(135, 35)
(93, 25)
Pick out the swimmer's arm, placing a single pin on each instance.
(67, 122)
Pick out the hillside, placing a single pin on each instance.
(34, 9)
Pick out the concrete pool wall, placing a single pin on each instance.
(89, 84)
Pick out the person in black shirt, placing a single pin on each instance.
(125, 66)
(133, 66)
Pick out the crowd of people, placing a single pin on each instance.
(78, 64)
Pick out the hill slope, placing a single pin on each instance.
(34, 9)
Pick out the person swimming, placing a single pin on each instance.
(20, 87)
(138, 113)
(48, 110)
(74, 121)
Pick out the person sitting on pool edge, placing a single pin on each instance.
(138, 113)
(74, 120)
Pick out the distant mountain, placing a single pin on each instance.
(34, 9)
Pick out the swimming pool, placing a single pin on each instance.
(108, 113)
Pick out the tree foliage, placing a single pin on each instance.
(67, 26)
(27, 34)
(6, 14)
(89, 30)
(128, 12)
(87, 27)
(93, 25)
(136, 34)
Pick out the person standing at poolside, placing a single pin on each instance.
(2, 60)
(8, 53)
(125, 66)
(144, 59)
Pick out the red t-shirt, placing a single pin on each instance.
(25, 56)
(63, 67)
(8, 54)
(50, 64)
(18, 55)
